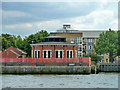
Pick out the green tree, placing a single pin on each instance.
(22, 43)
(107, 43)
(33, 38)
(18, 42)
(94, 57)
(7, 41)
(118, 42)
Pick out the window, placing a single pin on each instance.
(70, 54)
(90, 47)
(48, 54)
(38, 54)
(35, 54)
(44, 54)
(80, 55)
(72, 40)
(106, 60)
(80, 48)
(56, 54)
(89, 40)
(85, 46)
(102, 61)
(80, 42)
(85, 40)
(60, 54)
(67, 54)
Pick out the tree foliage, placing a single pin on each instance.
(22, 43)
(107, 43)
(94, 57)
(118, 43)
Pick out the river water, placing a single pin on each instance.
(102, 80)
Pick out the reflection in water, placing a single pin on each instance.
(102, 80)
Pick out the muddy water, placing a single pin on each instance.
(102, 80)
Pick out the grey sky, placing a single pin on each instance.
(24, 18)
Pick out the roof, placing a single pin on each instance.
(21, 51)
(15, 53)
(53, 43)
(91, 34)
(86, 34)
(54, 37)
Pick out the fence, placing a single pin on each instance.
(47, 60)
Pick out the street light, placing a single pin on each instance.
(5, 57)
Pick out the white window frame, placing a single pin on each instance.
(37, 53)
(47, 53)
(69, 53)
(59, 53)
(32, 53)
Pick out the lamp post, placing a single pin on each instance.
(5, 57)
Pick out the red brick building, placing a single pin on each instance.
(54, 47)
(12, 52)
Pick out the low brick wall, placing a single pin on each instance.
(46, 70)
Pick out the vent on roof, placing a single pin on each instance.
(65, 26)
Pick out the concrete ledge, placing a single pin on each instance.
(43, 64)
(46, 70)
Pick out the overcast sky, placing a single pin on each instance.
(25, 18)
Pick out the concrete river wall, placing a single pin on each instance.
(46, 70)
(111, 67)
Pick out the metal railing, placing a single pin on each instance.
(46, 60)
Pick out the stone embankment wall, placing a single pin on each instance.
(46, 70)
(111, 67)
